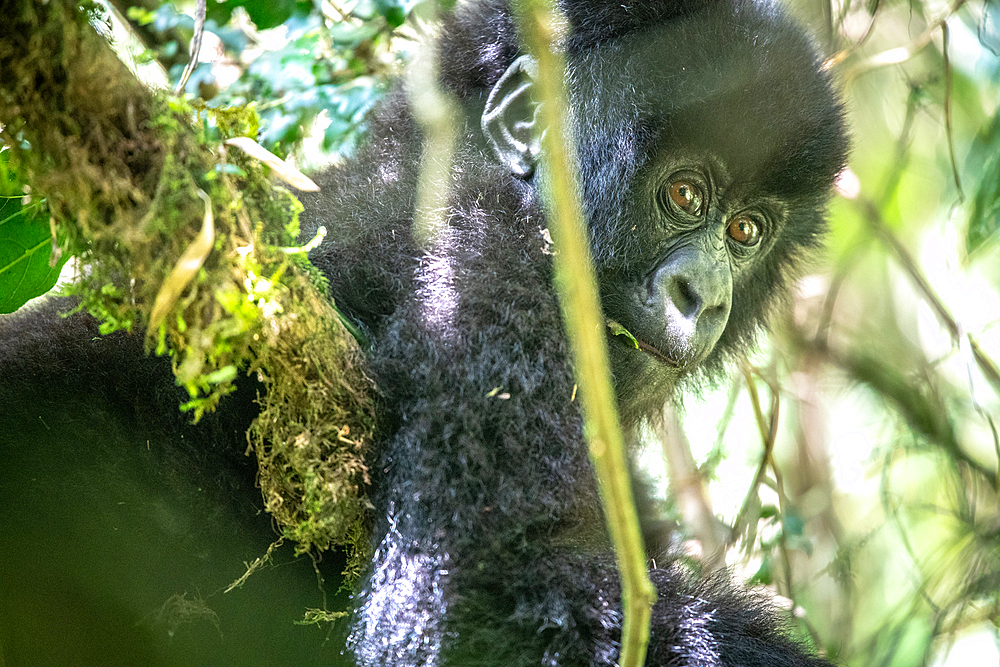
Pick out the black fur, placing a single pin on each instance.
(490, 541)
(123, 524)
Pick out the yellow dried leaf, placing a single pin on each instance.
(281, 169)
(185, 268)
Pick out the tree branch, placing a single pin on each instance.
(124, 172)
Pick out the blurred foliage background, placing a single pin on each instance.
(853, 462)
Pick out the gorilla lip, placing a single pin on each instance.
(655, 353)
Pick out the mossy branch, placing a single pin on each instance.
(167, 220)
(581, 308)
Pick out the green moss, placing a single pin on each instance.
(246, 305)
(313, 435)
(188, 240)
(176, 229)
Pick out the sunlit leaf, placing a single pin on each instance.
(984, 163)
(282, 169)
(351, 35)
(185, 269)
(25, 244)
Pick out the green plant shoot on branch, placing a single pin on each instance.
(581, 309)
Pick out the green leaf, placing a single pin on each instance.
(25, 244)
(395, 16)
(619, 330)
(219, 12)
(768, 511)
(763, 575)
(984, 163)
(268, 13)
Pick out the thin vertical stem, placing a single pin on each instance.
(581, 308)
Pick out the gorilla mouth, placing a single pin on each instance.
(656, 353)
(639, 344)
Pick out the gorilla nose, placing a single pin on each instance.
(694, 291)
(699, 298)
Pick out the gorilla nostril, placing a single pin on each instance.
(686, 299)
(720, 309)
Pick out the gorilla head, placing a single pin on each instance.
(708, 138)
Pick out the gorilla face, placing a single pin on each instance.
(706, 160)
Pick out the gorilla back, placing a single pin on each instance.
(708, 140)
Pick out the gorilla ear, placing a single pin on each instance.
(509, 118)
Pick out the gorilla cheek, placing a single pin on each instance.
(685, 303)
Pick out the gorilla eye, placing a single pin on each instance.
(686, 195)
(744, 230)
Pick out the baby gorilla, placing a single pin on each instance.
(708, 139)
